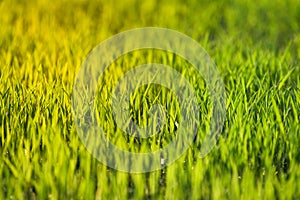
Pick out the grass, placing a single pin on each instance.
(256, 46)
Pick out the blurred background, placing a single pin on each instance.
(75, 27)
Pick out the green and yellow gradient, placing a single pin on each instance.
(256, 47)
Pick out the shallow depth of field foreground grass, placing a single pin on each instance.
(256, 46)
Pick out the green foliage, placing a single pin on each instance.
(256, 46)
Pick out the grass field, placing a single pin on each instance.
(256, 47)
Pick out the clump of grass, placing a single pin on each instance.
(255, 46)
